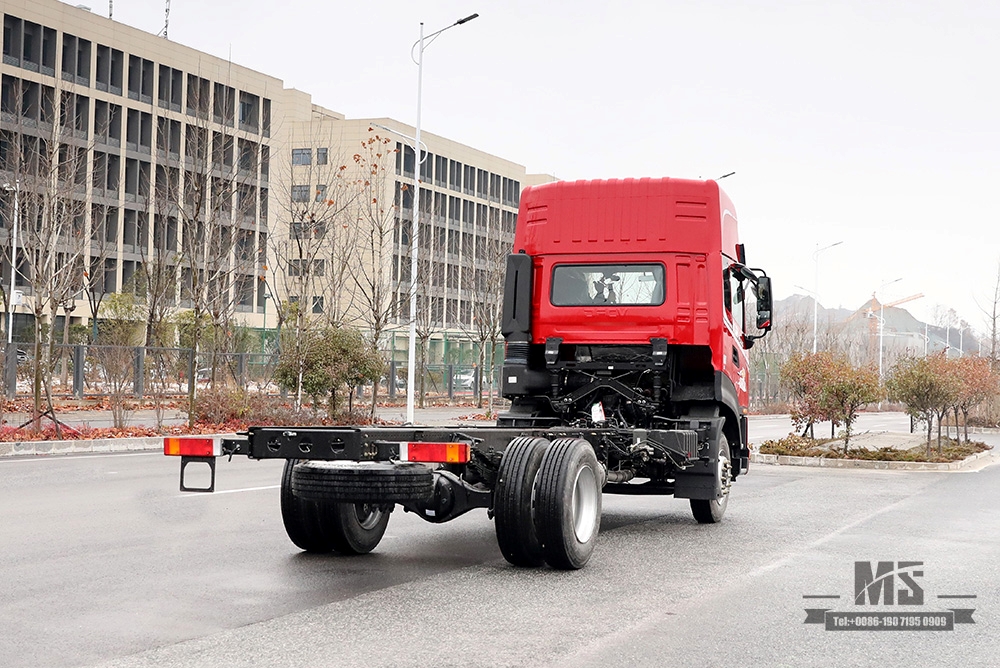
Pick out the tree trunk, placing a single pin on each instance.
(479, 375)
(422, 370)
(492, 375)
(940, 418)
(374, 386)
(193, 366)
(930, 428)
(64, 355)
(965, 424)
(37, 376)
(848, 421)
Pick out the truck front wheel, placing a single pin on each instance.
(513, 501)
(711, 511)
(568, 503)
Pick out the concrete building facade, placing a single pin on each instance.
(241, 192)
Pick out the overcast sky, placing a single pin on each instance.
(871, 122)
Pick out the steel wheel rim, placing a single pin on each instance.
(584, 506)
(725, 475)
(368, 515)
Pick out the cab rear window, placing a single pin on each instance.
(627, 284)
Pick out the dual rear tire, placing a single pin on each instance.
(548, 502)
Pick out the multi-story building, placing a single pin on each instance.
(217, 176)
(468, 206)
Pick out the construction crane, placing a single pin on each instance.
(876, 305)
(875, 319)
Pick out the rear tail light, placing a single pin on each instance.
(193, 446)
(434, 453)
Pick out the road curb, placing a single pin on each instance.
(88, 446)
(826, 462)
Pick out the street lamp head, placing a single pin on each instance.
(466, 19)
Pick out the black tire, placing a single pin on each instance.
(303, 520)
(568, 503)
(513, 503)
(710, 511)
(362, 482)
(355, 528)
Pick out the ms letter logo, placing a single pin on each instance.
(891, 597)
(878, 586)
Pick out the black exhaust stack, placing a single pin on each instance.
(516, 322)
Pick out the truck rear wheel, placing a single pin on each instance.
(362, 482)
(710, 511)
(568, 503)
(303, 520)
(513, 501)
(355, 528)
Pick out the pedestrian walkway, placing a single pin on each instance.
(432, 415)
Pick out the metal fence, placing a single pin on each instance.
(452, 381)
(90, 371)
(93, 371)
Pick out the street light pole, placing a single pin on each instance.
(816, 287)
(419, 46)
(881, 323)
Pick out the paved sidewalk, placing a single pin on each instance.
(433, 415)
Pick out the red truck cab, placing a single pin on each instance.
(626, 269)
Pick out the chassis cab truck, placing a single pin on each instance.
(628, 309)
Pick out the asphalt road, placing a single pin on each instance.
(105, 563)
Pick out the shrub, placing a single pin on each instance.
(221, 405)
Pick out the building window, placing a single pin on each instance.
(321, 192)
(302, 156)
(317, 304)
(249, 111)
(300, 193)
(302, 268)
(322, 156)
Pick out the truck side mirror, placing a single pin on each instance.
(764, 303)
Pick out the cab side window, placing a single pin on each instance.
(734, 298)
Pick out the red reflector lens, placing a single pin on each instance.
(191, 447)
(439, 453)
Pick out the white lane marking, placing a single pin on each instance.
(795, 554)
(188, 495)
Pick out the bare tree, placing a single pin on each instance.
(211, 191)
(313, 259)
(991, 313)
(429, 318)
(44, 154)
(483, 281)
(378, 297)
(100, 272)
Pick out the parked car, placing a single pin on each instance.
(464, 380)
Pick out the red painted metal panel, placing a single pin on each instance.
(686, 225)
